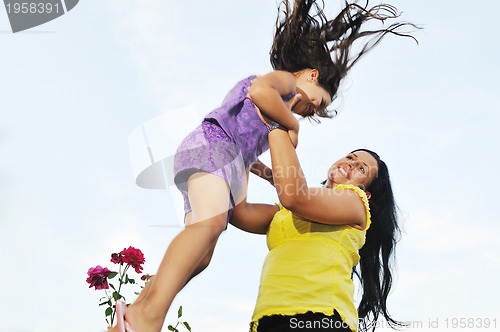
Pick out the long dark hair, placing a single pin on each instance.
(375, 266)
(305, 38)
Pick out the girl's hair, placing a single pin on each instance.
(377, 254)
(305, 38)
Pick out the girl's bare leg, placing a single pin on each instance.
(186, 253)
(202, 266)
(144, 290)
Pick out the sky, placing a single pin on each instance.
(77, 93)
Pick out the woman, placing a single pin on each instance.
(318, 237)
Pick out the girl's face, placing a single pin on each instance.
(313, 97)
(358, 168)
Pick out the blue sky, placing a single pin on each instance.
(75, 89)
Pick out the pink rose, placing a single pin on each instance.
(116, 258)
(134, 257)
(98, 277)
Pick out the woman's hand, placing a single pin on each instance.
(261, 170)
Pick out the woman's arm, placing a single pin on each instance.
(266, 93)
(323, 205)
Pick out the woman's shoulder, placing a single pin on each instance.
(362, 195)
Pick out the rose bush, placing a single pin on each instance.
(99, 277)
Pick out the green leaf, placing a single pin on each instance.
(116, 296)
(186, 325)
(171, 328)
(111, 275)
(179, 312)
(111, 285)
(109, 311)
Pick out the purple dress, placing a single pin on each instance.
(227, 142)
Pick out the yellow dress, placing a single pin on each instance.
(309, 267)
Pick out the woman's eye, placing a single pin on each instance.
(362, 169)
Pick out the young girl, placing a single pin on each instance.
(310, 55)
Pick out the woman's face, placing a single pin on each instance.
(313, 96)
(358, 168)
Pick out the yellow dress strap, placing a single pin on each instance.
(361, 193)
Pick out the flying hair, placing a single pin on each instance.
(305, 38)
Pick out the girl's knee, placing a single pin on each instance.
(218, 226)
(211, 228)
